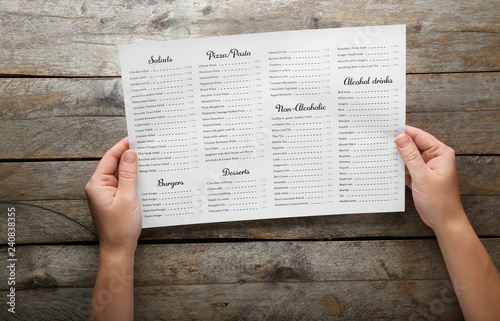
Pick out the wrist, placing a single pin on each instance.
(116, 253)
(457, 223)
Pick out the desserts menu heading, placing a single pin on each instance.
(282, 124)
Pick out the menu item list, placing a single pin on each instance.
(282, 124)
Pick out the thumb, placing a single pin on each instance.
(410, 155)
(127, 173)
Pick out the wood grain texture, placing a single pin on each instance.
(74, 118)
(467, 132)
(344, 280)
(479, 175)
(40, 98)
(342, 300)
(53, 221)
(80, 38)
(61, 137)
(90, 137)
(452, 92)
(44, 266)
(280, 269)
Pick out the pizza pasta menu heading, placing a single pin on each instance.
(268, 125)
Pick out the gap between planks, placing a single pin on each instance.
(248, 240)
(28, 76)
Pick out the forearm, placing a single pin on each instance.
(474, 276)
(113, 297)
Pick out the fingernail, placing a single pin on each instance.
(402, 141)
(129, 157)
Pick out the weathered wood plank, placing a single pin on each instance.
(44, 180)
(452, 52)
(242, 262)
(474, 132)
(235, 281)
(468, 132)
(61, 137)
(465, 132)
(419, 15)
(39, 98)
(343, 300)
(452, 92)
(50, 221)
(479, 175)
(75, 39)
(55, 118)
(469, 180)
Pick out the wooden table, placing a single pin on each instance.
(62, 108)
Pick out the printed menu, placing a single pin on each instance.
(268, 125)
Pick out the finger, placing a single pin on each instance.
(110, 160)
(411, 155)
(430, 146)
(127, 175)
(422, 139)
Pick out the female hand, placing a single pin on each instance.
(431, 174)
(113, 201)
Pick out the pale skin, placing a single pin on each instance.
(431, 174)
(117, 217)
(432, 177)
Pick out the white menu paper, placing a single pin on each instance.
(269, 125)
